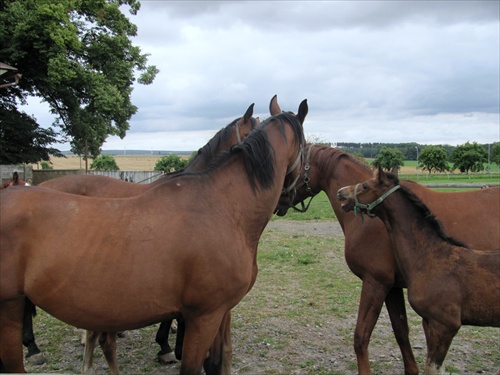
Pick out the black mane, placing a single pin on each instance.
(426, 213)
(213, 147)
(258, 152)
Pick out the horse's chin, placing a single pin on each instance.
(281, 211)
(346, 205)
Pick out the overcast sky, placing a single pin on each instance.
(372, 71)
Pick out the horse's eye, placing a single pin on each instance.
(365, 186)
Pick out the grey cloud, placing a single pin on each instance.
(324, 15)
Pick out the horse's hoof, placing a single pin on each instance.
(89, 371)
(167, 358)
(173, 326)
(36, 359)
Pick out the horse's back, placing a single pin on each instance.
(471, 216)
(94, 186)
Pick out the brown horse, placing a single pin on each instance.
(368, 251)
(449, 284)
(15, 181)
(102, 186)
(186, 248)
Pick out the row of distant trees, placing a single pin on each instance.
(469, 157)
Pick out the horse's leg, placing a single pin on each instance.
(165, 355)
(11, 343)
(198, 337)
(221, 352)
(107, 340)
(438, 337)
(179, 339)
(88, 356)
(395, 303)
(173, 326)
(372, 298)
(33, 356)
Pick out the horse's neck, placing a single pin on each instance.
(413, 243)
(335, 176)
(251, 208)
(198, 163)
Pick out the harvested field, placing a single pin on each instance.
(136, 163)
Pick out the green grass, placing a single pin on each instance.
(320, 209)
(478, 178)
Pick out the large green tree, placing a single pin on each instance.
(77, 56)
(387, 158)
(171, 163)
(469, 157)
(104, 163)
(495, 157)
(433, 158)
(30, 145)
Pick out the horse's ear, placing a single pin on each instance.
(395, 169)
(379, 174)
(303, 109)
(248, 113)
(274, 107)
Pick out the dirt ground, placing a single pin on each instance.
(311, 348)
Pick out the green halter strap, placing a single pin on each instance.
(371, 206)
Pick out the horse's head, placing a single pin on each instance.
(295, 168)
(16, 180)
(244, 125)
(305, 187)
(225, 138)
(365, 196)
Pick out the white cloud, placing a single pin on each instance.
(383, 71)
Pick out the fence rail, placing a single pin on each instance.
(460, 185)
(140, 177)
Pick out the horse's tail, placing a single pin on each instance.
(30, 306)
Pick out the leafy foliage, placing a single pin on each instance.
(21, 140)
(170, 163)
(104, 163)
(387, 158)
(469, 157)
(433, 158)
(78, 57)
(46, 165)
(495, 157)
